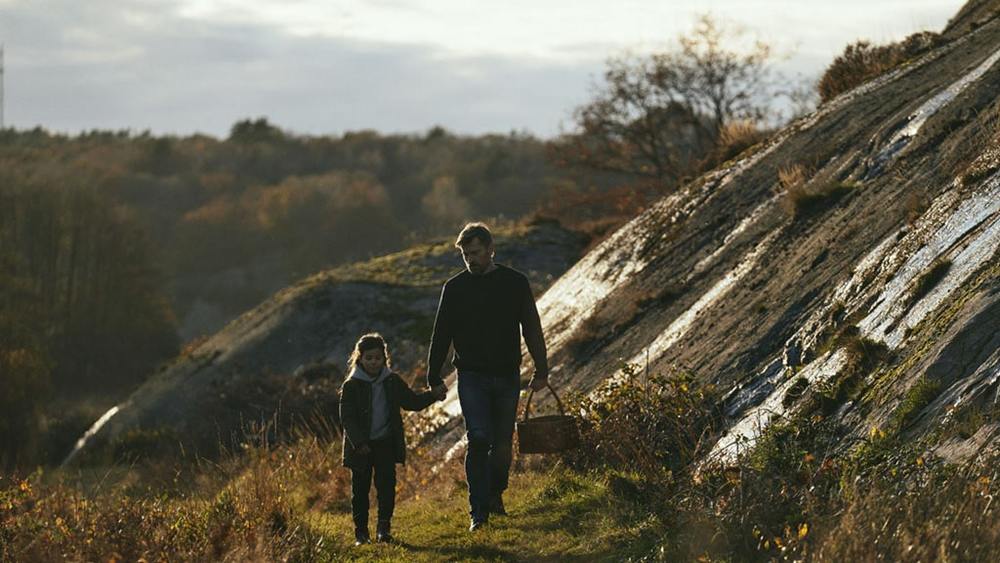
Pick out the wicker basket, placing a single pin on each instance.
(546, 434)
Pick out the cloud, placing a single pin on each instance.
(77, 66)
(201, 65)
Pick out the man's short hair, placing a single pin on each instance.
(474, 231)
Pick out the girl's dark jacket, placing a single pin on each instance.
(356, 414)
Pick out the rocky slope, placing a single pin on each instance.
(851, 259)
(297, 342)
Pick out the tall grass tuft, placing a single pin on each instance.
(805, 198)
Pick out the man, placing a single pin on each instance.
(483, 312)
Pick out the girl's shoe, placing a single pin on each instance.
(496, 506)
(361, 537)
(383, 533)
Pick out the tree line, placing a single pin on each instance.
(81, 306)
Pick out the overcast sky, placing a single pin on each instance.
(329, 66)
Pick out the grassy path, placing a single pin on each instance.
(554, 516)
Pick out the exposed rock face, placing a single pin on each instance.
(309, 329)
(739, 279)
(972, 15)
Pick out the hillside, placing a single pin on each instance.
(871, 224)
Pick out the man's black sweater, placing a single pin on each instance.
(483, 315)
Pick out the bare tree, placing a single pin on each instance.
(659, 116)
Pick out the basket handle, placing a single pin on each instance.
(531, 392)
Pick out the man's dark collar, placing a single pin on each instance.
(494, 268)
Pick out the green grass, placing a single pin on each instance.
(420, 266)
(923, 392)
(431, 263)
(292, 503)
(554, 516)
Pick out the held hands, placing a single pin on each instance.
(440, 392)
(363, 449)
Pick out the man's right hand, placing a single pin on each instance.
(363, 449)
(538, 383)
(440, 391)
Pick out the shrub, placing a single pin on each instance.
(804, 200)
(765, 506)
(863, 61)
(796, 496)
(653, 425)
(863, 355)
(984, 166)
(915, 205)
(986, 140)
(964, 421)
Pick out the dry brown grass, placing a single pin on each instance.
(805, 195)
(945, 515)
(734, 138)
(740, 133)
(914, 205)
(796, 495)
(792, 177)
(863, 61)
(249, 506)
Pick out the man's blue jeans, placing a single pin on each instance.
(489, 406)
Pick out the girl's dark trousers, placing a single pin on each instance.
(382, 463)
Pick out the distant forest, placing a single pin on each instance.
(230, 221)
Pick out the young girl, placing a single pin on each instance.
(370, 400)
